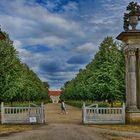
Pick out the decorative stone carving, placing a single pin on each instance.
(130, 51)
(131, 18)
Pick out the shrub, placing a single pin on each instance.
(79, 104)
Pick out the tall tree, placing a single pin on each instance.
(103, 77)
(17, 81)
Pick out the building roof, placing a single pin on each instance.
(54, 93)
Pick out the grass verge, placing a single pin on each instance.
(121, 138)
(9, 129)
(130, 128)
(120, 128)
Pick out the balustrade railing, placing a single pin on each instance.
(22, 114)
(103, 115)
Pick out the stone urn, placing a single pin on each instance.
(133, 21)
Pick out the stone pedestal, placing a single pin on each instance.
(132, 117)
(132, 62)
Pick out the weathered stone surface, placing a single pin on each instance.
(132, 63)
(133, 117)
(130, 37)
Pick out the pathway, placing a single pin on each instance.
(64, 127)
(53, 114)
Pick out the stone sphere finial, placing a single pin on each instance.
(132, 17)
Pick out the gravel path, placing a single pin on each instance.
(67, 127)
(56, 132)
(53, 114)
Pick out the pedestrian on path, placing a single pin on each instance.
(63, 107)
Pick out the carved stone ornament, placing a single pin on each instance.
(130, 51)
(132, 17)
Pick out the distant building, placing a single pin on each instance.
(55, 96)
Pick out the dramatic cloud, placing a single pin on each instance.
(87, 48)
(37, 48)
(79, 59)
(56, 38)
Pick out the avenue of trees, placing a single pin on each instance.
(17, 81)
(102, 79)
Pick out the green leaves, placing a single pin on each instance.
(103, 77)
(17, 81)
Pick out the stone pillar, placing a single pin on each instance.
(132, 60)
(131, 82)
(126, 81)
(138, 77)
(131, 88)
(2, 113)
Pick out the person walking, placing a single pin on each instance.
(63, 107)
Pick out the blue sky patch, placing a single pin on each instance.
(37, 48)
(55, 5)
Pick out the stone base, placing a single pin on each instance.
(132, 117)
(132, 109)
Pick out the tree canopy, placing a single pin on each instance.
(17, 81)
(102, 79)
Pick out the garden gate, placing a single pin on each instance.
(103, 115)
(15, 115)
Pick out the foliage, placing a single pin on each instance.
(17, 81)
(79, 103)
(24, 104)
(103, 77)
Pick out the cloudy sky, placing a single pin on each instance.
(56, 38)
